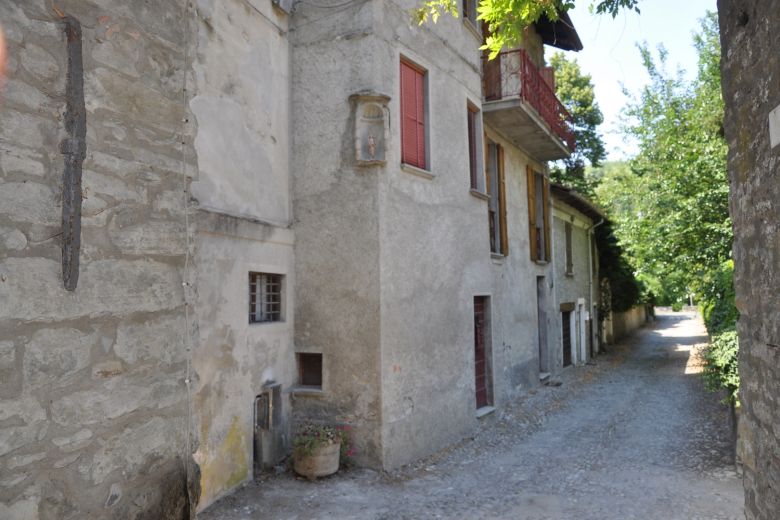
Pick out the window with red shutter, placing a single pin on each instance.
(412, 115)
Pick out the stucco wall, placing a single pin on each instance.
(388, 262)
(750, 69)
(336, 221)
(572, 288)
(92, 393)
(241, 105)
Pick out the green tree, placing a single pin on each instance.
(575, 90)
(671, 205)
(507, 19)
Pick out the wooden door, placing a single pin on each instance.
(480, 352)
(566, 335)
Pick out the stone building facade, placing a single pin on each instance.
(750, 67)
(403, 261)
(575, 262)
(406, 300)
(133, 395)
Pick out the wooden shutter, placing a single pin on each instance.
(412, 115)
(420, 95)
(567, 230)
(502, 201)
(546, 206)
(532, 213)
(472, 130)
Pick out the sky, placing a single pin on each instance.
(610, 55)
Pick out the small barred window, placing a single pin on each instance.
(265, 297)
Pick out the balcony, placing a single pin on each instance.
(520, 102)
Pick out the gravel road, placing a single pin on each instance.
(633, 437)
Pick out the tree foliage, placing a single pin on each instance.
(671, 204)
(507, 19)
(575, 90)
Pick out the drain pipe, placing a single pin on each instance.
(591, 230)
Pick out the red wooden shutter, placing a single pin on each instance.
(412, 115)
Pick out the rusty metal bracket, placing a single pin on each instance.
(74, 148)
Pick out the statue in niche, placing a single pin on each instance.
(371, 146)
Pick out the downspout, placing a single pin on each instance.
(591, 230)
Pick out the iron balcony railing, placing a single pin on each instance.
(513, 74)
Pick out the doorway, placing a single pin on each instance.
(482, 352)
(541, 325)
(566, 337)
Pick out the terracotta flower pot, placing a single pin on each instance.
(321, 462)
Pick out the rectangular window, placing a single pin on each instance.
(413, 107)
(265, 297)
(538, 215)
(475, 149)
(470, 11)
(497, 203)
(569, 259)
(310, 370)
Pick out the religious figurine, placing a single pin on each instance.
(371, 146)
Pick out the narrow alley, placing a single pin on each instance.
(633, 437)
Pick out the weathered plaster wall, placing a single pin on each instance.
(337, 219)
(382, 289)
(241, 104)
(243, 94)
(750, 67)
(234, 359)
(571, 288)
(92, 394)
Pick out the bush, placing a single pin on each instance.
(677, 306)
(717, 301)
(721, 365)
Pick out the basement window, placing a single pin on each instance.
(265, 297)
(310, 370)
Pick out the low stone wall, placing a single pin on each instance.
(620, 324)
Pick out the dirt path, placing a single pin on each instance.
(633, 437)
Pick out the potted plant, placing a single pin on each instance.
(317, 449)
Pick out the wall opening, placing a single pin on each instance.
(310, 370)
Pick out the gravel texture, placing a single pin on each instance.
(634, 436)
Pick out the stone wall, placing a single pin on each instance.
(750, 67)
(93, 402)
(618, 325)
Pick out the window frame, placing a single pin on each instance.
(477, 181)
(497, 223)
(469, 10)
(260, 295)
(538, 236)
(421, 98)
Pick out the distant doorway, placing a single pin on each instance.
(482, 352)
(566, 337)
(541, 325)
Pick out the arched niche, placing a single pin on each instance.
(372, 127)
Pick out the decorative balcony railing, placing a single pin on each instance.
(512, 74)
